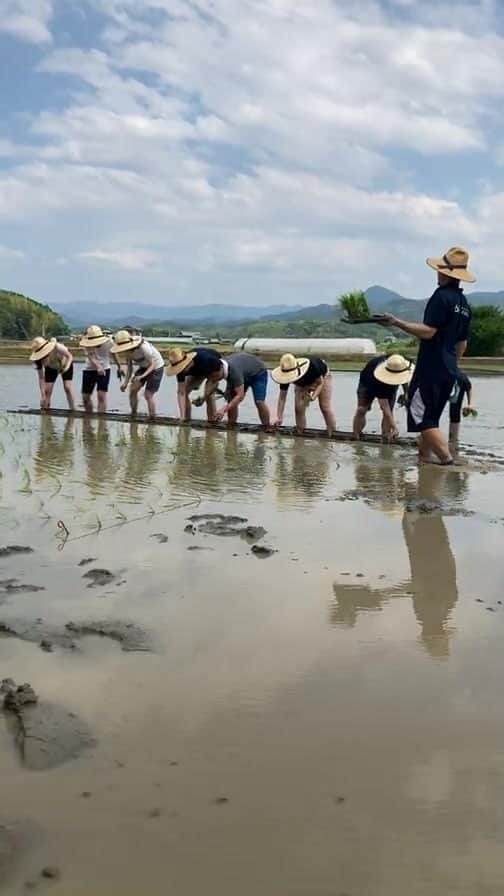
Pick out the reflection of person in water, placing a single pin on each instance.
(54, 455)
(433, 584)
(302, 470)
(143, 454)
(101, 465)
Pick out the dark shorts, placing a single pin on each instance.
(153, 381)
(91, 378)
(259, 386)
(366, 396)
(51, 374)
(426, 404)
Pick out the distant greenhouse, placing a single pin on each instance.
(307, 346)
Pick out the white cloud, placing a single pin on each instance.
(295, 143)
(127, 259)
(10, 256)
(27, 20)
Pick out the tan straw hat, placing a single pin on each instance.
(178, 360)
(453, 264)
(41, 347)
(290, 369)
(125, 342)
(93, 337)
(395, 371)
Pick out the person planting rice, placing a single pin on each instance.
(149, 373)
(312, 380)
(52, 359)
(96, 373)
(380, 380)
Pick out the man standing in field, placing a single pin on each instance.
(443, 340)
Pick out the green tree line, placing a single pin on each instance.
(23, 318)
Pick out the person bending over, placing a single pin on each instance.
(149, 373)
(191, 370)
(312, 382)
(96, 373)
(241, 371)
(52, 359)
(380, 380)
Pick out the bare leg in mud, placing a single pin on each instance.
(359, 420)
(133, 397)
(325, 405)
(300, 410)
(150, 398)
(433, 442)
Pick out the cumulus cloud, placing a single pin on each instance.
(27, 20)
(291, 144)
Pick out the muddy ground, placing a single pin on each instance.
(259, 668)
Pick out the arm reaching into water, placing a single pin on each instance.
(282, 398)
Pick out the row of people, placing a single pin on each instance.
(202, 370)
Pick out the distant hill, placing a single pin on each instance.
(80, 314)
(218, 315)
(23, 318)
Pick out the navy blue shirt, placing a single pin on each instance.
(207, 361)
(316, 368)
(449, 312)
(374, 387)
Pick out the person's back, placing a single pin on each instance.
(449, 312)
(243, 367)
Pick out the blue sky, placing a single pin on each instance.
(247, 151)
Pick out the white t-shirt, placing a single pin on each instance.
(101, 354)
(146, 354)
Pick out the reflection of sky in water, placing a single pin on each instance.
(20, 388)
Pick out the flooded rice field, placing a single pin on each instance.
(262, 666)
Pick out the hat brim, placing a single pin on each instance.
(174, 369)
(43, 352)
(439, 264)
(93, 343)
(126, 346)
(282, 377)
(393, 379)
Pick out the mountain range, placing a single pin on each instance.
(79, 314)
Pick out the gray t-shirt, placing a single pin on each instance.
(242, 368)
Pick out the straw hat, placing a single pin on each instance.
(395, 371)
(453, 264)
(290, 369)
(178, 360)
(41, 347)
(125, 342)
(93, 337)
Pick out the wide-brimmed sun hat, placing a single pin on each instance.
(395, 371)
(178, 360)
(41, 347)
(125, 342)
(93, 337)
(290, 369)
(454, 263)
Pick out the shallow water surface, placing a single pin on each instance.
(323, 721)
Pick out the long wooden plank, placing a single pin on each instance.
(288, 431)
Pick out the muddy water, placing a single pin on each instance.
(324, 721)
(487, 430)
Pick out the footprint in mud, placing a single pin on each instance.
(129, 636)
(86, 561)
(99, 577)
(15, 549)
(160, 536)
(224, 525)
(12, 586)
(261, 551)
(46, 735)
